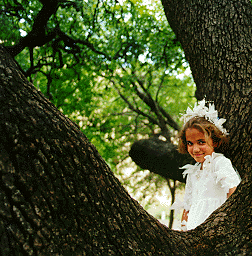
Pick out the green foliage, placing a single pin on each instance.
(103, 55)
(17, 17)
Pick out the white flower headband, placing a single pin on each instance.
(209, 114)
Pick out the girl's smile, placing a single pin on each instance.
(197, 145)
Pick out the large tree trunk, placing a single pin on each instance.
(216, 38)
(59, 196)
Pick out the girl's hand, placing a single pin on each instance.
(183, 226)
(231, 191)
(184, 221)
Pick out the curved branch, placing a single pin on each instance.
(160, 157)
(147, 99)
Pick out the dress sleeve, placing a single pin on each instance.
(226, 174)
(188, 193)
(186, 204)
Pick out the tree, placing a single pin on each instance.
(130, 59)
(118, 223)
(57, 194)
(221, 78)
(114, 80)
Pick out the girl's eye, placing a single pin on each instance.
(202, 142)
(189, 143)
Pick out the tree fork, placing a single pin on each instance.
(59, 196)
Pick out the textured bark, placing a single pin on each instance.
(215, 36)
(59, 197)
(57, 194)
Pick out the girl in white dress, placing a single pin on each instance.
(212, 179)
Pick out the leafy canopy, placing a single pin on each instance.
(111, 66)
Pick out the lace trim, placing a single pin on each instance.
(189, 168)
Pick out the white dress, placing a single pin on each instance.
(207, 189)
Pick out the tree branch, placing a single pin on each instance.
(136, 110)
(37, 36)
(160, 157)
(154, 106)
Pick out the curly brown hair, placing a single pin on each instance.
(220, 140)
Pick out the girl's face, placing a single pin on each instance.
(197, 146)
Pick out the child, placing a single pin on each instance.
(212, 179)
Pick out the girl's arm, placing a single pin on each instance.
(231, 191)
(185, 215)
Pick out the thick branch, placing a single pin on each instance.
(159, 157)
